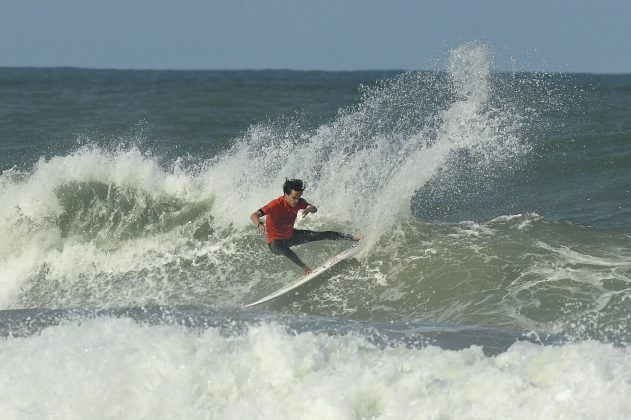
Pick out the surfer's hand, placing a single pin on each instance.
(261, 227)
(309, 209)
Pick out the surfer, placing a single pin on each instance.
(280, 215)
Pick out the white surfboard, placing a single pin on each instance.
(325, 266)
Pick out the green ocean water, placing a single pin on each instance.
(495, 274)
(535, 183)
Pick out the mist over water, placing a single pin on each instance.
(364, 167)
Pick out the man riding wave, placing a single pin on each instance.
(280, 215)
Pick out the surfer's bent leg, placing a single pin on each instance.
(281, 246)
(304, 236)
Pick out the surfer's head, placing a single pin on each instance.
(293, 189)
(293, 185)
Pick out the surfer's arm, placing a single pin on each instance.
(309, 209)
(256, 219)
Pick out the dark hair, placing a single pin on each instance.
(293, 184)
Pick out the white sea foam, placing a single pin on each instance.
(30, 210)
(115, 368)
(96, 259)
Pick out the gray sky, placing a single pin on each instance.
(548, 35)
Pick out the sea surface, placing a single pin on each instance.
(494, 280)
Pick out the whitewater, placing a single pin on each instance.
(494, 282)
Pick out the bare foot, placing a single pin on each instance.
(358, 237)
(306, 269)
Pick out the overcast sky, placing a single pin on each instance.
(548, 35)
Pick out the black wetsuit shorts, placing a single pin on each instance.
(282, 246)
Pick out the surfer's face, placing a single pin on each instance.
(293, 197)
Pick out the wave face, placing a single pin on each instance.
(486, 199)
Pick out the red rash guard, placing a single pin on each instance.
(280, 218)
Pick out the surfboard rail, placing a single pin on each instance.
(316, 272)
